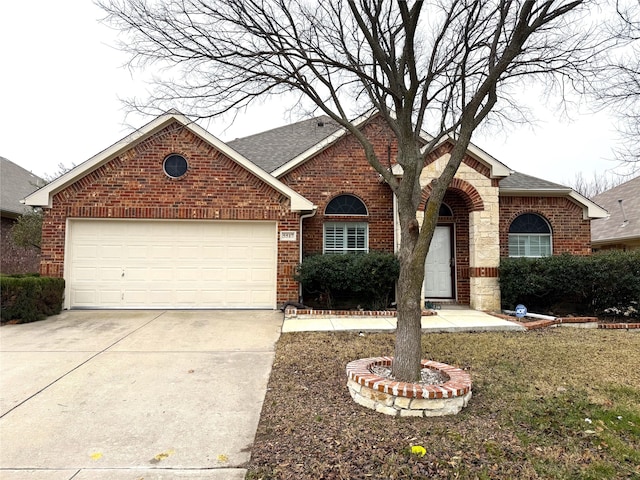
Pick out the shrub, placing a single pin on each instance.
(601, 284)
(27, 298)
(365, 279)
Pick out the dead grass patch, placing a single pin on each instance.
(558, 403)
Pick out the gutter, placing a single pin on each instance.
(302, 217)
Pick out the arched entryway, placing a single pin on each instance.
(447, 268)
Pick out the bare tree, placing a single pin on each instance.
(618, 85)
(27, 231)
(600, 182)
(440, 66)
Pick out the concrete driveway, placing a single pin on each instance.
(153, 395)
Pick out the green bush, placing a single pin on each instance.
(27, 298)
(365, 279)
(606, 283)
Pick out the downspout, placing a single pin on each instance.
(302, 217)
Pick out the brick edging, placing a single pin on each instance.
(350, 313)
(459, 383)
(538, 324)
(619, 326)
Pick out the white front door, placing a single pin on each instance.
(438, 281)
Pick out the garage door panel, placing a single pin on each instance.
(84, 297)
(109, 273)
(86, 273)
(261, 252)
(260, 274)
(109, 297)
(160, 252)
(238, 252)
(164, 264)
(212, 273)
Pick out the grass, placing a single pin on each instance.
(560, 403)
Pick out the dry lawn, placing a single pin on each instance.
(560, 403)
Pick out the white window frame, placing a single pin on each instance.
(531, 244)
(332, 247)
(526, 245)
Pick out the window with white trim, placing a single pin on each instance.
(530, 236)
(341, 236)
(346, 237)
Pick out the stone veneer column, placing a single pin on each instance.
(484, 238)
(484, 254)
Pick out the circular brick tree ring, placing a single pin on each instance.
(391, 397)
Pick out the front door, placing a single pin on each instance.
(438, 278)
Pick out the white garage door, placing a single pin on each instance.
(171, 264)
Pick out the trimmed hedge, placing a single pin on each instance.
(364, 279)
(602, 284)
(27, 298)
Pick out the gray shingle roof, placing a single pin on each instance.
(521, 181)
(15, 184)
(615, 226)
(273, 148)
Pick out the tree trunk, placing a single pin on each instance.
(408, 347)
(411, 254)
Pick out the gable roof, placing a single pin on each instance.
(623, 222)
(520, 184)
(280, 150)
(520, 181)
(273, 148)
(15, 184)
(44, 196)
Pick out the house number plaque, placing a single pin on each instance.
(288, 236)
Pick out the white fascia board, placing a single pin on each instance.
(44, 196)
(590, 209)
(318, 147)
(298, 202)
(304, 156)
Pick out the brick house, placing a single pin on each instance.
(15, 184)
(621, 229)
(171, 217)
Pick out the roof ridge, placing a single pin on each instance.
(288, 126)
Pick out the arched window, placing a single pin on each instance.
(445, 211)
(345, 205)
(529, 236)
(346, 237)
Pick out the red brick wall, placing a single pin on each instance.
(134, 185)
(570, 233)
(343, 169)
(461, 221)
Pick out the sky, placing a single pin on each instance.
(62, 81)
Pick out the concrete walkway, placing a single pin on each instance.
(451, 319)
(130, 395)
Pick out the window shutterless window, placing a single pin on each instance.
(530, 236)
(346, 237)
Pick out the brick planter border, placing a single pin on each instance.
(403, 399)
(560, 321)
(294, 312)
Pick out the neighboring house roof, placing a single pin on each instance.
(15, 184)
(44, 196)
(623, 222)
(520, 184)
